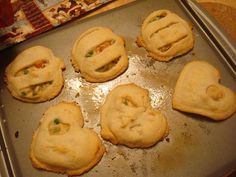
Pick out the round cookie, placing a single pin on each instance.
(165, 35)
(198, 91)
(127, 118)
(99, 55)
(35, 75)
(62, 145)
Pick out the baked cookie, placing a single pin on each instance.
(62, 145)
(99, 55)
(165, 35)
(35, 75)
(198, 91)
(127, 118)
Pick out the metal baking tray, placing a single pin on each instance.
(195, 147)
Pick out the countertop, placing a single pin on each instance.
(224, 11)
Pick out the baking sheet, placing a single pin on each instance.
(195, 147)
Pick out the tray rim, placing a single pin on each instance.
(213, 32)
(11, 169)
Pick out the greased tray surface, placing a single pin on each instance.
(195, 147)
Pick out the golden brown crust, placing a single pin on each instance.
(39, 165)
(99, 55)
(35, 75)
(127, 118)
(70, 161)
(165, 35)
(198, 91)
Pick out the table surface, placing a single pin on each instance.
(224, 11)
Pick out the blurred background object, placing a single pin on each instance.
(6, 13)
(33, 17)
(224, 12)
(110, 6)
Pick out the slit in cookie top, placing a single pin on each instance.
(35, 90)
(99, 48)
(167, 26)
(109, 65)
(58, 127)
(168, 46)
(158, 17)
(131, 123)
(88, 33)
(134, 126)
(127, 101)
(39, 64)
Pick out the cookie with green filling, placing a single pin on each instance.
(61, 144)
(35, 75)
(128, 118)
(99, 55)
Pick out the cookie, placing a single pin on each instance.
(165, 35)
(99, 55)
(127, 118)
(198, 91)
(62, 145)
(35, 75)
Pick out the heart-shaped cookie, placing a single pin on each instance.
(127, 118)
(198, 91)
(35, 75)
(165, 35)
(62, 145)
(99, 55)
